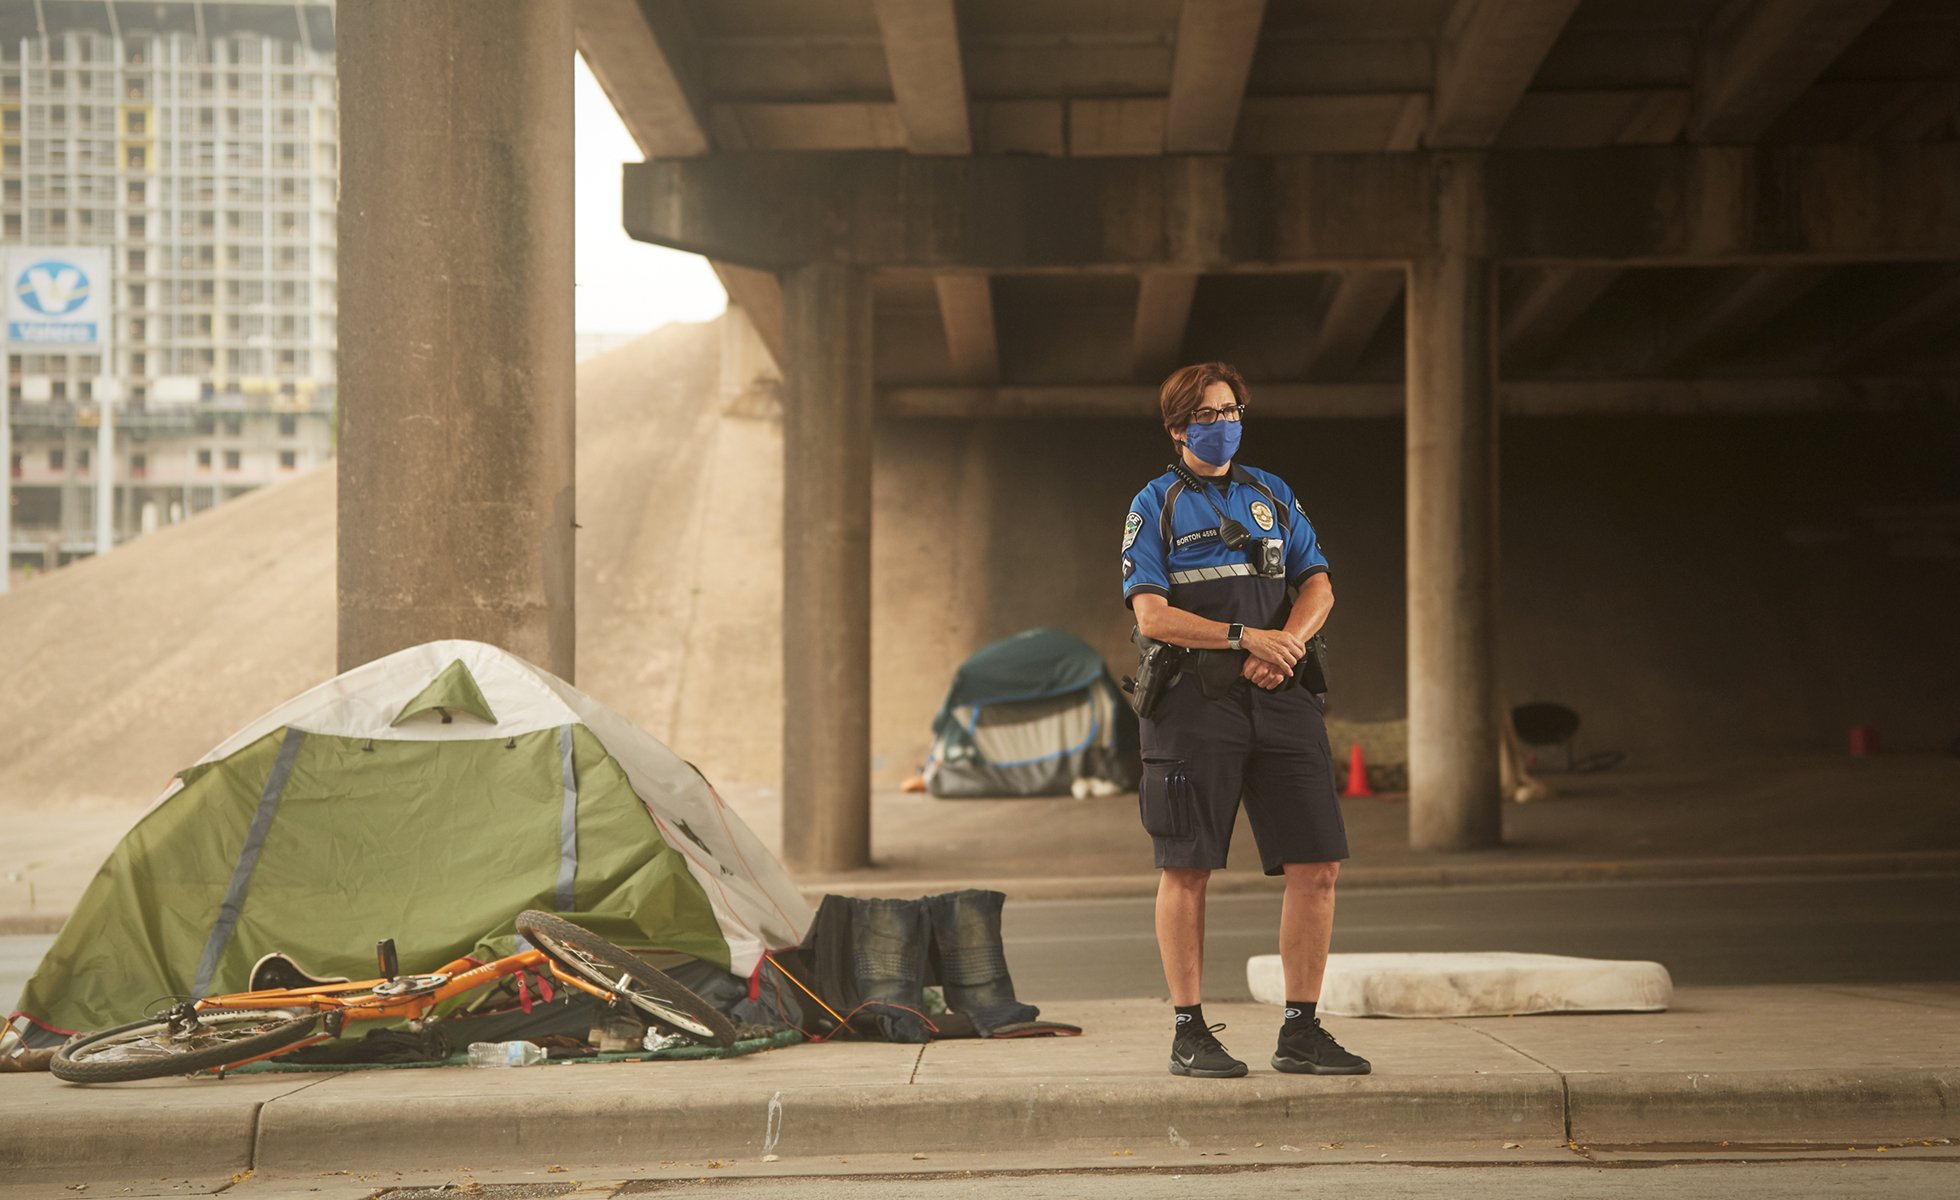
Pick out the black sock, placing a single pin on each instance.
(1299, 1013)
(1190, 1019)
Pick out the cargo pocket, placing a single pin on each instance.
(1164, 798)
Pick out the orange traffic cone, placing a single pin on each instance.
(1357, 784)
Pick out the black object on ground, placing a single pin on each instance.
(1545, 723)
(872, 960)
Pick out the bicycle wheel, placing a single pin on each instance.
(645, 987)
(170, 1045)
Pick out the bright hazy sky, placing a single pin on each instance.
(625, 286)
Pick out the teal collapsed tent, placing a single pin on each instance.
(1029, 716)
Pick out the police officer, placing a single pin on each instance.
(1221, 559)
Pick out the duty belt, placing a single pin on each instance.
(1218, 671)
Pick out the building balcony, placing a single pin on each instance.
(64, 415)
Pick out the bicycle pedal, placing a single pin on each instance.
(410, 985)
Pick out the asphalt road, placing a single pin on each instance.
(1877, 930)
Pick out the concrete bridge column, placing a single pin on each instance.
(1454, 797)
(456, 417)
(827, 406)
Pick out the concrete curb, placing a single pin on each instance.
(166, 1127)
(607, 1129)
(1897, 1104)
(294, 1127)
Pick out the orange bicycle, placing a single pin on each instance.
(244, 1027)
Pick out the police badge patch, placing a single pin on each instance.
(1262, 514)
(1132, 525)
(1128, 566)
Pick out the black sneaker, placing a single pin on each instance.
(1199, 1054)
(1313, 1051)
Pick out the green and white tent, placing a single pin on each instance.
(429, 796)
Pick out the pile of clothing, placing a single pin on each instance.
(905, 971)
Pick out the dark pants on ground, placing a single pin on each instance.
(882, 954)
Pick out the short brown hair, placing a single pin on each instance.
(1185, 390)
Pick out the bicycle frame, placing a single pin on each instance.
(358, 1001)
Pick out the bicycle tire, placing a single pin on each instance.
(231, 1035)
(651, 990)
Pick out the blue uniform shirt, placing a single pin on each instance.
(1171, 547)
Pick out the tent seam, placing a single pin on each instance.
(233, 905)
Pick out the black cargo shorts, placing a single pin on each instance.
(1201, 755)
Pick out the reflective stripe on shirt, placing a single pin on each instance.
(1197, 574)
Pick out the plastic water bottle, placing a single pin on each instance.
(505, 1054)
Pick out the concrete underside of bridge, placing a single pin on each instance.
(1445, 212)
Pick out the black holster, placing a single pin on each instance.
(1311, 671)
(1158, 666)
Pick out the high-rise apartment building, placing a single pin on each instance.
(196, 140)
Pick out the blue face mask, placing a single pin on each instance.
(1215, 443)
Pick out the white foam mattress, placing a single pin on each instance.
(1482, 984)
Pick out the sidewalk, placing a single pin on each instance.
(1863, 1066)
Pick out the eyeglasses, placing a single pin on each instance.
(1205, 416)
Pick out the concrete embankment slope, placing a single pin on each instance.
(1744, 1066)
(120, 671)
(123, 669)
(116, 673)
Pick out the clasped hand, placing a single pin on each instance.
(1271, 656)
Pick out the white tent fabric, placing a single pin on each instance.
(756, 903)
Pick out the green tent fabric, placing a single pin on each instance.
(333, 823)
(454, 688)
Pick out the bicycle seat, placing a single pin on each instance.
(276, 970)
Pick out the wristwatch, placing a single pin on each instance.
(1232, 635)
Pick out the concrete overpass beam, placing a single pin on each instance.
(1216, 43)
(1361, 302)
(456, 415)
(922, 53)
(642, 55)
(1741, 302)
(1757, 58)
(759, 294)
(1552, 303)
(1617, 206)
(1163, 314)
(1454, 797)
(827, 411)
(966, 310)
(1488, 56)
(1560, 397)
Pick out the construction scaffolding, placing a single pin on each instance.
(199, 142)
